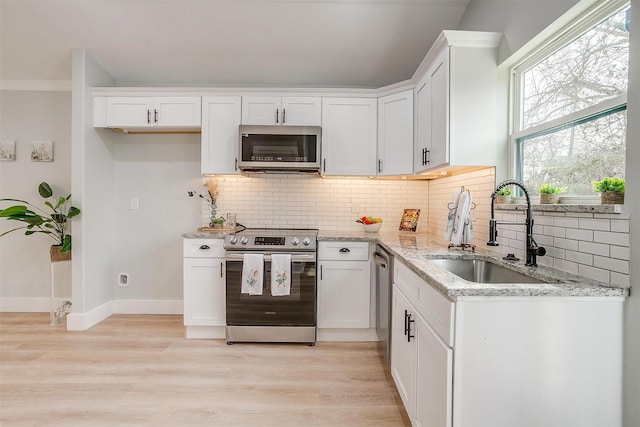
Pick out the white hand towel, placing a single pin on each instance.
(462, 213)
(252, 274)
(467, 230)
(280, 274)
(453, 206)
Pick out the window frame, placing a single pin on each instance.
(587, 14)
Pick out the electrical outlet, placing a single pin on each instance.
(135, 203)
(123, 279)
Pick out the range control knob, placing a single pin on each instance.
(306, 241)
(295, 241)
(233, 240)
(244, 240)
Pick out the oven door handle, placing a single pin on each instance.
(267, 257)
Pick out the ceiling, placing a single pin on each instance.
(270, 43)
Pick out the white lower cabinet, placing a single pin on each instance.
(505, 361)
(204, 288)
(344, 290)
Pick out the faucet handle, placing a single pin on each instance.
(493, 233)
(537, 250)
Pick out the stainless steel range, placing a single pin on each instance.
(257, 262)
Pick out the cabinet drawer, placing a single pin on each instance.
(203, 248)
(343, 251)
(434, 307)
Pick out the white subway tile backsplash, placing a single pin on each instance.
(571, 245)
(618, 239)
(594, 248)
(594, 273)
(619, 279)
(620, 226)
(594, 224)
(565, 222)
(579, 257)
(578, 234)
(565, 265)
(619, 252)
(617, 265)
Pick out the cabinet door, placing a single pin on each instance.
(432, 104)
(395, 134)
(403, 351)
(204, 292)
(349, 136)
(177, 111)
(434, 378)
(301, 111)
(439, 82)
(261, 110)
(129, 111)
(343, 294)
(220, 137)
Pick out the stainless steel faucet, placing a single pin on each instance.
(531, 247)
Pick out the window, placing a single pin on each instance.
(570, 105)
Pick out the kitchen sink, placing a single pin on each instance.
(481, 271)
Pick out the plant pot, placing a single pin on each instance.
(548, 199)
(57, 256)
(503, 200)
(612, 198)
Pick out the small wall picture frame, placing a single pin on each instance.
(42, 151)
(7, 150)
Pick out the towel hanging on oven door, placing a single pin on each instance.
(280, 274)
(252, 274)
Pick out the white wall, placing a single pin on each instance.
(520, 21)
(93, 187)
(24, 260)
(158, 170)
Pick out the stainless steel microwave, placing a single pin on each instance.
(284, 149)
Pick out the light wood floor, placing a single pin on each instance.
(141, 371)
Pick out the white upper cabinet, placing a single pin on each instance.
(220, 134)
(286, 111)
(456, 103)
(395, 134)
(349, 136)
(128, 112)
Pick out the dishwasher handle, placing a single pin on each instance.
(380, 259)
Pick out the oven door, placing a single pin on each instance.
(296, 309)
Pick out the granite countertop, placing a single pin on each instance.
(418, 250)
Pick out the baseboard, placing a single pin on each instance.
(83, 321)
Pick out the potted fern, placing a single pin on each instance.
(549, 193)
(611, 190)
(52, 222)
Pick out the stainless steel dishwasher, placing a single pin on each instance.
(384, 279)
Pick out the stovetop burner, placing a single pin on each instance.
(272, 239)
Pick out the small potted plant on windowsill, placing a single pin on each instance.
(53, 223)
(503, 196)
(549, 193)
(611, 190)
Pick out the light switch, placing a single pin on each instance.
(135, 203)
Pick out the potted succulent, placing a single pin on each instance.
(549, 193)
(503, 196)
(53, 222)
(611, 190)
